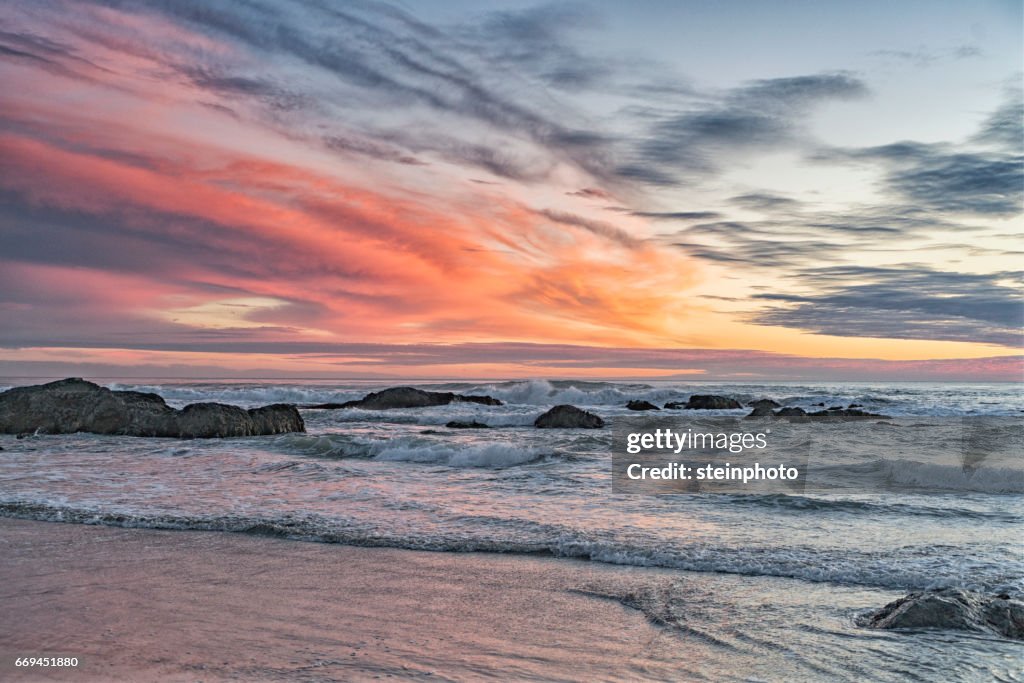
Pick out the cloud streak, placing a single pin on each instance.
(910, 302)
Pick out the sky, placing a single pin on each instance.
(701, 189)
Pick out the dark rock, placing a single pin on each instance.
(835, 408)
(761, 411)
(709, 402)
(74, 405)
(642, 405)
(409, 397)
(821, 405)
(953, 608)
(855, 405)
(568, 417)
(330, 406)
(463, 424)
(762, 407)
(675, 405)
(764, 403)
(790, 412)
(482, 400)
(845, 413)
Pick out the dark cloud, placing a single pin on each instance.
(646, 173)
(590, 193)
(763, 201)
(767, 254)
(50, 55)
(942, 178)
(235, 86)
(799, 239)
(903, 303)
(925, 57)
(599, 228)
(369, 148)
(678, 215)
(1004, 127)
(946, 178)
(535, 41)
(964, 183)
(764, 114)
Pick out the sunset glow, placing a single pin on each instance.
(346, 191)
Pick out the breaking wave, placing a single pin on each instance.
(881, 570)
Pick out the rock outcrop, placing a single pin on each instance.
(953, 608)
(764, 403)
(839, 411)
(789, 412)
(763, 408)
(568, 417)
(641, 405)
(74, 405)
(464, 424)
(408, 397)
(711, 402)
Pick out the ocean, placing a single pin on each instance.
(883, 521)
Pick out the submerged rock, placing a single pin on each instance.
(710, 402)
(641, 405)
(463, 424)
(568, 417)
(74, 405)
(953, 608)
(408, 397)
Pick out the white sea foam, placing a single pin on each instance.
(897, 399)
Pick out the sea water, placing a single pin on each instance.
(889, 523)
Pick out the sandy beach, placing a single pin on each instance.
(143, 605)
(148, 605)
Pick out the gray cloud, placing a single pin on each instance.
(904, 303)
(535, 41)
(678, 215)
(1004, 127)
(926, 57)
(598, 228)
(369, 148)
(763, 114)
(942, 178)
(764, 201)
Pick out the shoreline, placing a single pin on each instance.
(141, 604)
(170, 605)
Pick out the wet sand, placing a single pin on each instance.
(144, 605)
